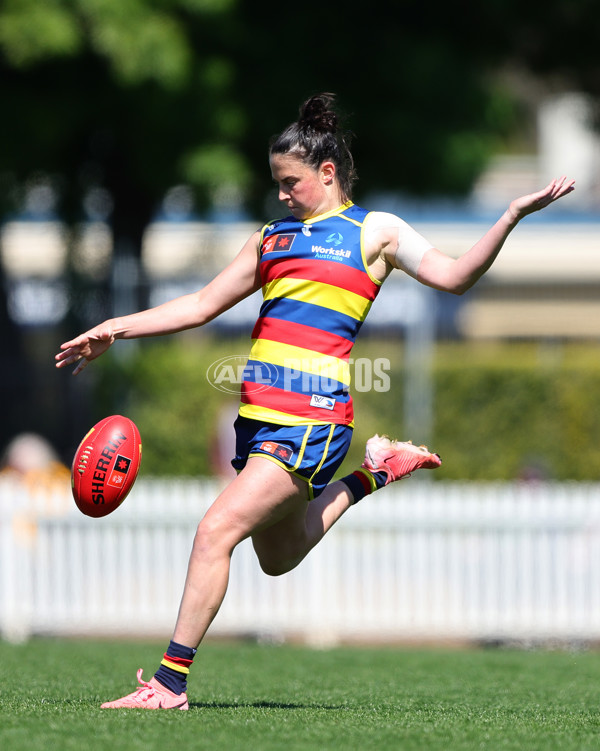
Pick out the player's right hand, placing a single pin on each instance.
(85, 347)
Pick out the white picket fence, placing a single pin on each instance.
(419, 560)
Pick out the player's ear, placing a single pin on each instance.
(327, 172)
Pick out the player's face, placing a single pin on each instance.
(302, 188)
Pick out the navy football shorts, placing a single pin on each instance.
(311, 452)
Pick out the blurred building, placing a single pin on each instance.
(544, 284)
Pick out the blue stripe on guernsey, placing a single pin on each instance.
(295, 380)
(315, 315)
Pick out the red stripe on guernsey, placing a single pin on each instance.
(297, 404)
(346, 277)
(301, 335)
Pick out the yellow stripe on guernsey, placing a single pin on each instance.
(301, 359)
(265, 414)
(319, 293)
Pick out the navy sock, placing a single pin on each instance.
(175, 667)
(363, 482)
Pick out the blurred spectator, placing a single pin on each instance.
(34, 484)
(31, 460)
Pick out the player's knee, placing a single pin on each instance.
(213, 539)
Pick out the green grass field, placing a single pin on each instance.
(263, 698)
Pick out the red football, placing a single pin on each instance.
(106, 465)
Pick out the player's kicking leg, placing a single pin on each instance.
(283, 546)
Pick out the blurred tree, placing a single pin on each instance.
(429, 87)
(117, 101)
(140, 95)
(111, 102)
(124, 96)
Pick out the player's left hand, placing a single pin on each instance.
(525, 205)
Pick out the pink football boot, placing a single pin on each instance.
(152, 695)
(397, 459)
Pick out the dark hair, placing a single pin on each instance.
(316, 137)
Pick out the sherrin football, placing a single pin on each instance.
(105, 465)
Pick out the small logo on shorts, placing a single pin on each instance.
(323, 402)
(281, 452)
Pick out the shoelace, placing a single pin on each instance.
(146, 690)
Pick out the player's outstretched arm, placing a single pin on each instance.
(86, 347)
(458, 275)
(235, 282)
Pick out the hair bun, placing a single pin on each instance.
(318, 136)
(317, 113)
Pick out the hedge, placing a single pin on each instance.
(500, 412)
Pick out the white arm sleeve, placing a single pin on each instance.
(405, 246)
(411, 248)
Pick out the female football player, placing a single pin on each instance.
(319, 269)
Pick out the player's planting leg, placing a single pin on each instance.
(261, 495)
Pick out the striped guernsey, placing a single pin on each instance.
(317, 292)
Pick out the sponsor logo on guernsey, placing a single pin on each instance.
(331, 254)
(281, 452)
(276, 243)
(306, 228)
(335, 238)
(322, 402)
